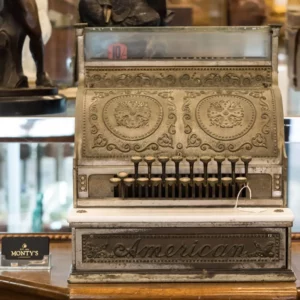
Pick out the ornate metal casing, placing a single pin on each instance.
(209, 91)
(171, 124)
(181, 245)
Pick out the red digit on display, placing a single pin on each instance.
(117, 51)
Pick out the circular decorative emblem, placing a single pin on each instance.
(225, 117)
(132, 117)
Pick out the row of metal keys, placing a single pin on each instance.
(177, 186)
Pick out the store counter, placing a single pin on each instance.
(31, 285)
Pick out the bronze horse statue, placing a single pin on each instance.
(18, 19)
(124, 13)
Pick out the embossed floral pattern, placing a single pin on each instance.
(259, 141)
(165, 141)
(183, 77)
(193, 141)
(132, 114)
(226, 113)
(100, 141)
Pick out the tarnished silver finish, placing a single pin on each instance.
(158, 130)
(192, 248)
(259, 253)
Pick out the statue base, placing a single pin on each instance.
(31, 101)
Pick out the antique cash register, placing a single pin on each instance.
(171, 125)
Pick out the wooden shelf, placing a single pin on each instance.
(31, 285)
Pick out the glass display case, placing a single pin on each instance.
(60, 49)
(36, 152)
(36, 174)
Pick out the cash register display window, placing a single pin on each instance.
(178, 43)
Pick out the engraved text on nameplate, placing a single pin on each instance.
(192, 249)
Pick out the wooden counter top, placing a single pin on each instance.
(33, 285)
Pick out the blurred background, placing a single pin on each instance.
(36, 189)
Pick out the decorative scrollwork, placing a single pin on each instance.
(259, 141)
(245, 146)
(139, 148)
(264, 105)
(185, 77)
(193, 141)
(262, 100)
(172, 118)
(100, 141)
(165, 141)
(220, 147)
(93, 109)
(212, 79)
(93, 117)
(231, 79)
(124, 147)
(164, 95)
(186, 80)
(128, 80)
(187, 129)
(100, 95)
(94, 130)
(266, 128)
(256, 94)
(172, 129)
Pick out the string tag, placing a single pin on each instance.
(246, 186)
(250, 209)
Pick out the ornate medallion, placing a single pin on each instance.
(225, 117)
(132, 117)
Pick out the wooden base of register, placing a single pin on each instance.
(53, 285)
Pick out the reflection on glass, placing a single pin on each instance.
(293, 150)
(60, 50)
(28, 128)
(177, 42)
(35, 186)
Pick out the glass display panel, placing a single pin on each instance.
(177, 43)
(36, 186)
(36, 128)
(60, 50)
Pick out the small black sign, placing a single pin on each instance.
(26, 248)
